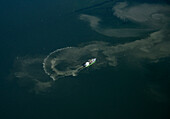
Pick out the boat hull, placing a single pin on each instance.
(90, 62)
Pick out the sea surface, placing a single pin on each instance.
(32, 29)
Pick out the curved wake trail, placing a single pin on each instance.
(69, 61)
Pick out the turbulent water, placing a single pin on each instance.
(69, 61)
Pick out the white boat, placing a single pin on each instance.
(90, 62)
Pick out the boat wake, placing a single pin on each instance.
(67, 61)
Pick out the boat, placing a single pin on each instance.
(90, 62)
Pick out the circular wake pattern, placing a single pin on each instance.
(56, 66)
(69, 61)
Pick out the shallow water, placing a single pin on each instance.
(134, 88)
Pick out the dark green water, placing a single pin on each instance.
(33, 28)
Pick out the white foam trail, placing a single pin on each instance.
(45, 60)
